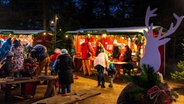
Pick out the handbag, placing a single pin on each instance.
(89, 54)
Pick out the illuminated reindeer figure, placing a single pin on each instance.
(152, 55)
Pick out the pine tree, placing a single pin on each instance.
(179, 75)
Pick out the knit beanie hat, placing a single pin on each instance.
(64, 51)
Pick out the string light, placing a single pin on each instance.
(66, 36)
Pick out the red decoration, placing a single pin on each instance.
(155, 92)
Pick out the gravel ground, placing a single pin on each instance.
(107, 96)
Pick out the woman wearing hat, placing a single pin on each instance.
(18, 50)
(64, 66)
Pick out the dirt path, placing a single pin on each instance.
(110, 95)
(107, 96)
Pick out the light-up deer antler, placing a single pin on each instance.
(152, 54)
(149, 14)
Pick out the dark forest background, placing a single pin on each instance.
(75, 14)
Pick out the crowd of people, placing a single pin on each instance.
(22, 60)
(19, 60)
(13, 63)
(102, 62)
(11, 52)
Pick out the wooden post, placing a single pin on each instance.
(51, 90)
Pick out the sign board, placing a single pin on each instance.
(95, 31)
(6, 32)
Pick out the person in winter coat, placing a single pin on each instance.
(99, 48)
(1, 42)
(101, 63)
(7, 44)
(64, 66)
(39, 52)
(7, 71)
(127, 58)
(54, 56)
(128, 54)
(27, 49)
(116, 52)
(87, 52)
(7, 66)
(30, 67)
(111, 73)
(18, 50)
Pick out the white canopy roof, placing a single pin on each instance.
(8, 31)
(138, 29)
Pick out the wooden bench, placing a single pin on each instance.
(16, 80)
(73, 98)
(25, 79)
(50, 91)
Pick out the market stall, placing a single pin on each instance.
(26, 36)
(115, 37)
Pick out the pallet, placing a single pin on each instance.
(70, 99)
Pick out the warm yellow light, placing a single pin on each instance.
(56, 18)
(44, 33)
(66, 36)
(104, 35)
(115, 41)
(52, 22)
(88, 35)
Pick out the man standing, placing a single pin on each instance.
(127, 58)
(87, 52)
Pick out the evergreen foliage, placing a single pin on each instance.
(179, 75)
(148, 78)
(138, 42)
(145, 86)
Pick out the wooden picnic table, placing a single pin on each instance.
(50, 85)
(70, 99)
(119, 66)
(16, 80)
(51, 89)
(13, 80)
